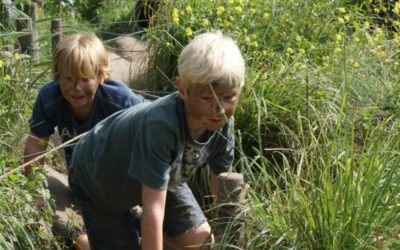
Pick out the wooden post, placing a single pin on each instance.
(230, 197)
(56, 33)
(27, 41)
(7, 51)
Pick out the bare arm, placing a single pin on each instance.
(34, 145)
(152, 219)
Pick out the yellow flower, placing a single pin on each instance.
(342, 10)
(252, 11)
(230, 1)
(396, 8)
(341, 20)
(175, 12)
(188, 32)
(220, 10)
(238, 9)
(1, 64)
(247, 39)
(298, 38)
(366, 25)
(255, 44)
(302, 51)
(337, 50)
(264, 52)
(231, 18)
(205, 22)
(245, 30)
(266, 15)
(379, 31)
(7, 78)
(290, 50)
(339, 37)
(17, 56)
(188, 9)
(346, 17)
(355, 64)
(175, 16)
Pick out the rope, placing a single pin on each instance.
(42, 155)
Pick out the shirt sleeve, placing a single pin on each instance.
(135, 99)
(40, 123)
(222, 156)
(153, 153)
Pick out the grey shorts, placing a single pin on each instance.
(121, 230)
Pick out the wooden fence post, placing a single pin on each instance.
(56, 33)
(27, 42)
(230, 197)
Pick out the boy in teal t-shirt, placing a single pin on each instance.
(144, 154)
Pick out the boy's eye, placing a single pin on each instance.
(206, 98)
(68, 78)
(229, 98)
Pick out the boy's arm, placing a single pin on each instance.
(152, 219)
(34, 145)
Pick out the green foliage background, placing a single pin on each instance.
(317, 126)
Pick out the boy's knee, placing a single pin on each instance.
(199, 237)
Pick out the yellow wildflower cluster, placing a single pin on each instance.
(396, 8)
(188, 32)
(205, 22)
(220, 10)
(175, 15)
(1, 64)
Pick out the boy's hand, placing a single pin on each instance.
(27, 171)
(33, 146)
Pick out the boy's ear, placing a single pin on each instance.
(182, 91)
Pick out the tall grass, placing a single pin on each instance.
(318, 119)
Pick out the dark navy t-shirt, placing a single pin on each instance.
(52, 110)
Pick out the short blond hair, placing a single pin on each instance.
(211, 58)
(81, 55)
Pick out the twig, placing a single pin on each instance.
(42, 155)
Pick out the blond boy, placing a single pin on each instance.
(144, 154)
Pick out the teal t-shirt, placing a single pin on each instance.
(146, 144)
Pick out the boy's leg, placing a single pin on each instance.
(106, 230)
(184, 221)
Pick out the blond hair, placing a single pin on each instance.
(81, 55)
(211, 58)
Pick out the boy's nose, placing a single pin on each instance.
(219, 108)
(78, 84)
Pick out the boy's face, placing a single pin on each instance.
(209, 107)
(79, 91)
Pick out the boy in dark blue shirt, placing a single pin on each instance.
(79, 97)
